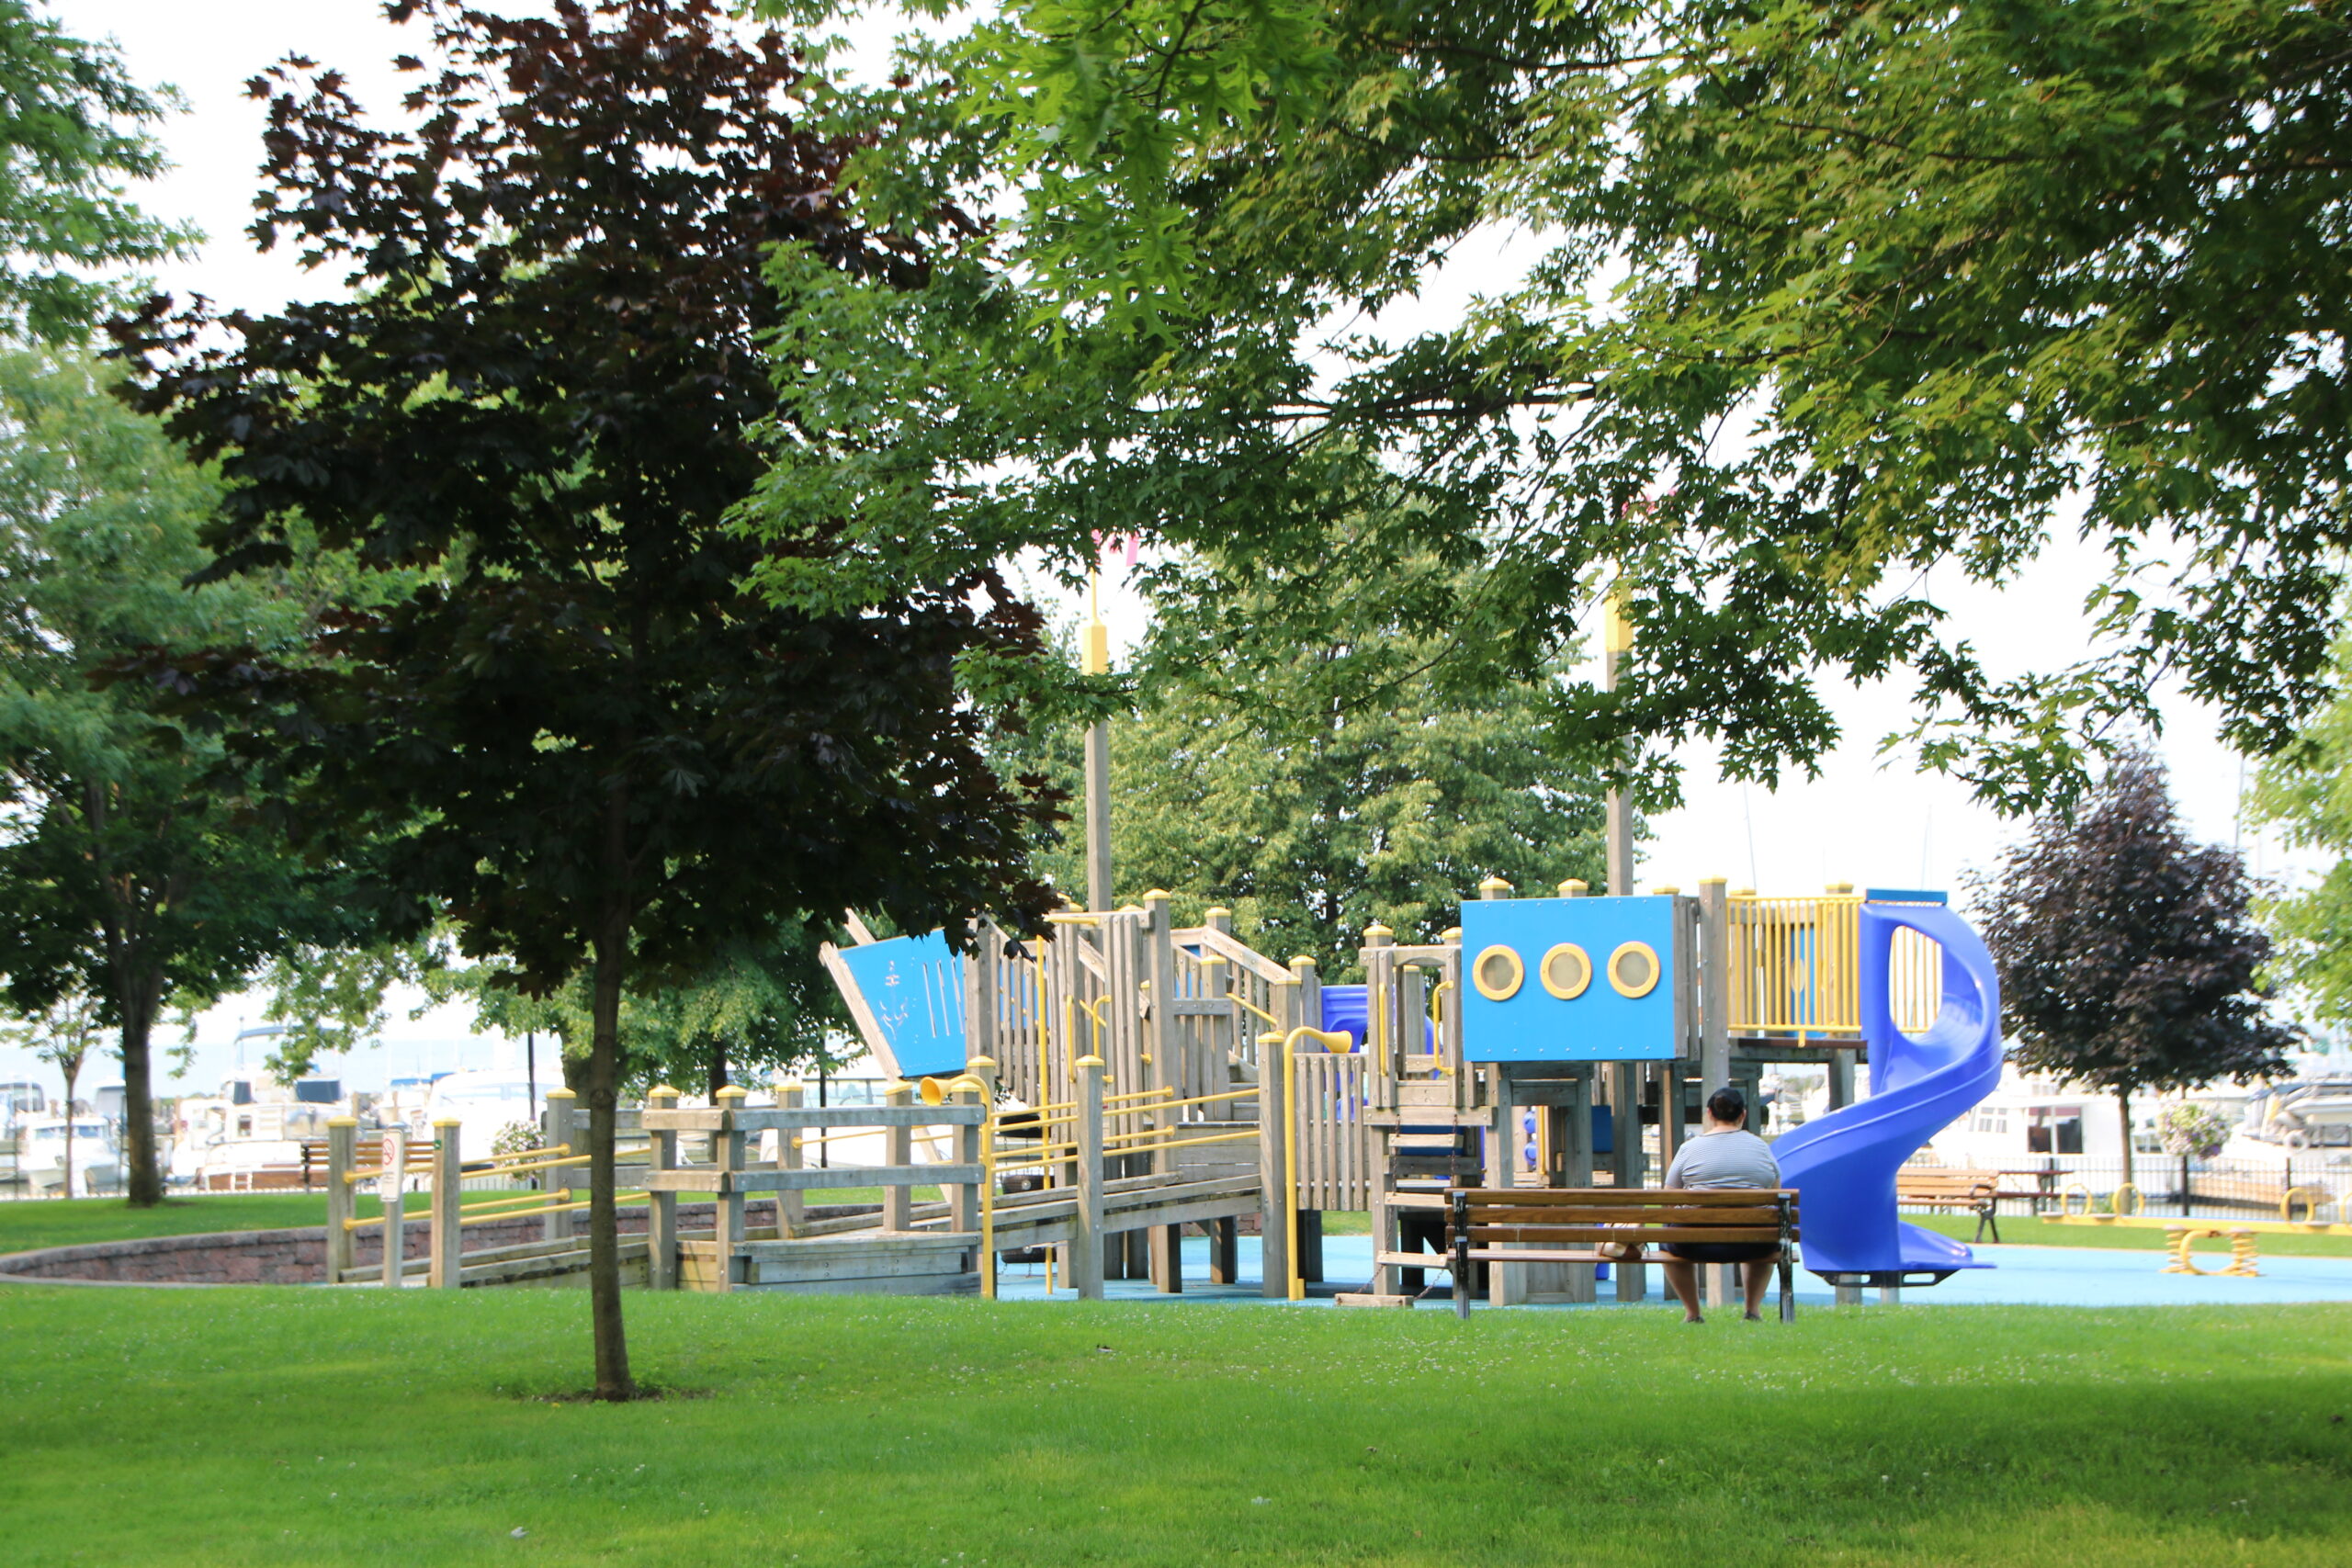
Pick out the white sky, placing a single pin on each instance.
(1863, 821)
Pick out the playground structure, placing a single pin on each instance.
(1096, 1090)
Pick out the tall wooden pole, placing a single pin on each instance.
(1097, 661)
(1617, 640)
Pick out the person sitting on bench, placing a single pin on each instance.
(1724, 1154)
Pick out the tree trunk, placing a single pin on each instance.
(72, 1068)
(142, 1173)
(603, 1236)
(2123, 1103)
(717, 1068)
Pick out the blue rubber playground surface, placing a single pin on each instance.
(2038, 1276)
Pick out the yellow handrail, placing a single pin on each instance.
(474, 1219)
(1180, 1143)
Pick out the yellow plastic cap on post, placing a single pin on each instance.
(343, 1122)
(1574, 887)
(1494, 884)
(1159, 893)
(988, 1061)
(1451, 934)
(1299, 958)
(1096, 660)
(448, 1121)
(567, 1094)
(731, 1092)
(1087, 1062)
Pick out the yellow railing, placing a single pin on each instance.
(1796, 968)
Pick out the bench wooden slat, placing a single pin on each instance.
(1625, 1197)
(1491, 1234)
(1593, 1213)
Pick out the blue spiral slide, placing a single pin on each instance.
(1843, 1166)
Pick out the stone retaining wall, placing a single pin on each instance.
(298, 1257)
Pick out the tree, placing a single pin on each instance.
(2127, 956)
(59, 1035)
(1247, 779)
(133, 867)
(760, 1007)
(1828, 300)
(2306, 792)
(73, 128)
(581, 740)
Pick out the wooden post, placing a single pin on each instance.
(1842, 1080)
(343, 1142)
(1505, 1283)
(897, 1202)
(661, 1208)
(791, 1208)
(1164, 1069)
(1575, 1160)
(1086, 1238)
(559, 1131)
(981, 1003)
(1273, 1179)
(393, 1166)
(964, 1198)
(984, 1069)
(1714, 1035)
(1714, 984)
(1094, 659)
(1617, 640)
(449, 1179)
(728, 1154)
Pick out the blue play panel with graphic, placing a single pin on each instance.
(1573, 980)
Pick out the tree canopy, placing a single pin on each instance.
(2128, 956)
(75, 130)
(136, 867)
(1247, 779)
(1830, 309)
(2306, 792)
(598, 752)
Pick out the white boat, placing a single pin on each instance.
(486, 1101)
(249, 1135)
(42, 1155)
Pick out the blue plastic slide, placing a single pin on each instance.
(1844, 1165)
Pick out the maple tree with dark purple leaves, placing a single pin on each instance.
(582, 738)
(2129, 958)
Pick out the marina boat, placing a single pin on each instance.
(42, 1155)
(249, 1135)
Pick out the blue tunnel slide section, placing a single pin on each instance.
(1843, 1166)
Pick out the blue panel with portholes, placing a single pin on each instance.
(1571, 979)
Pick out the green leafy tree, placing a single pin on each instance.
(2305, 792)
(581, 740)
(60, 1035)
(1314, 779)
(74, 133)
(134, 868)
(763, 1006)
(2128, 954)
(1833, 307)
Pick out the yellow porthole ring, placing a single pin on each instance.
(1633, 969)
(1498, 974)
(1566, 970)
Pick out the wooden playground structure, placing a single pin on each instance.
(1125, 1079)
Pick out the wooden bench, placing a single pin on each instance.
(1570, 1224)
(1976, 1192)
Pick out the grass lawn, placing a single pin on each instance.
(2022, 1231)
(255, 1427)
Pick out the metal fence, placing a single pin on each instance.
(2317, 1184)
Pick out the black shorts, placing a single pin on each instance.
(1722, 1251)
